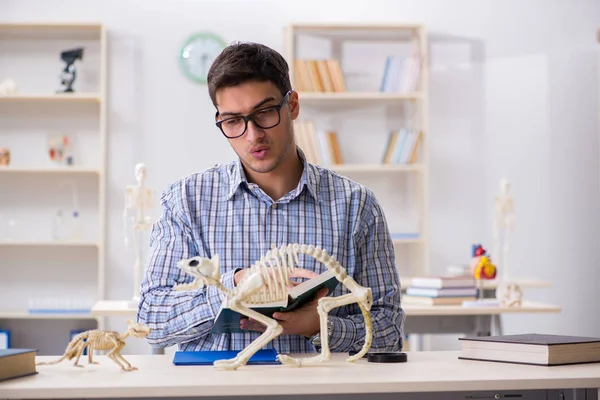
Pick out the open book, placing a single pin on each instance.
(228, 321)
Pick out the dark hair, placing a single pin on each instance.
(242, 62)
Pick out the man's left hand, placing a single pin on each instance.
(301, 321)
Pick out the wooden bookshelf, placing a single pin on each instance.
(314, 71)
(44, 41)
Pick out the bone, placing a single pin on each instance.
(270, 275)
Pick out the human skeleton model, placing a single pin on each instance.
(102, 340)
(509, 294)
(266, 281)
(140, 200)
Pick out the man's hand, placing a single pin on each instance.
(301, 321)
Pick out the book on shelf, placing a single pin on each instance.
(531, 348)
(318, 76)
(401, 73)
(319, 147)
(228, 320)
(17, 363)
(402, 147)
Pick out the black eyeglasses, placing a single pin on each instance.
(265, 118)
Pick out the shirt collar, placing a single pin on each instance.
(309, 178)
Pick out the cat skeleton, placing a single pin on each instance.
(266, 281)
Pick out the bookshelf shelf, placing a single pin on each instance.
(61, 315)
(357, 80)
(376, 167)
(320, 97)
(47, 243)
(51, 31)
(50, 170)
(408, 241)
(354, 32)
(93, 98)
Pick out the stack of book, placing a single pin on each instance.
(440, 290)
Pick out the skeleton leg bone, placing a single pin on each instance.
(90, 355)
(79, 353)
(120, 357)
(505, 250)
(114, 351)
(273, 330)
(326, 304)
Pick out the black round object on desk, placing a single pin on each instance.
(397, 357)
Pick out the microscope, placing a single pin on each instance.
(67, 77)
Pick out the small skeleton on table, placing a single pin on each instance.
(102, 340)
(508, 293)
(140, 200)
(266, 281)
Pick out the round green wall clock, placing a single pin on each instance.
(197, 54)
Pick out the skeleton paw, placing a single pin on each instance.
(227, 365)
(94, 362)
(131, 369)
(287, 360)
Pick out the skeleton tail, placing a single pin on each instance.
(342, 275)
(72, 350)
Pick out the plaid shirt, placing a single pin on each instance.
(219, 212)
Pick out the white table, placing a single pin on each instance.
(425, 373)
(421, 319)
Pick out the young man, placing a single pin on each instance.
(269, 196)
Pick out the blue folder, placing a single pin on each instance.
(261, 357)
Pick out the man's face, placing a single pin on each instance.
(260, 150)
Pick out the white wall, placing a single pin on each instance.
(514, 92)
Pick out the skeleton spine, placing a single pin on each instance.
(276, 266)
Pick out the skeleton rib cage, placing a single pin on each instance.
(276, 267)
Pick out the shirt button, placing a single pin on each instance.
(274, 206)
